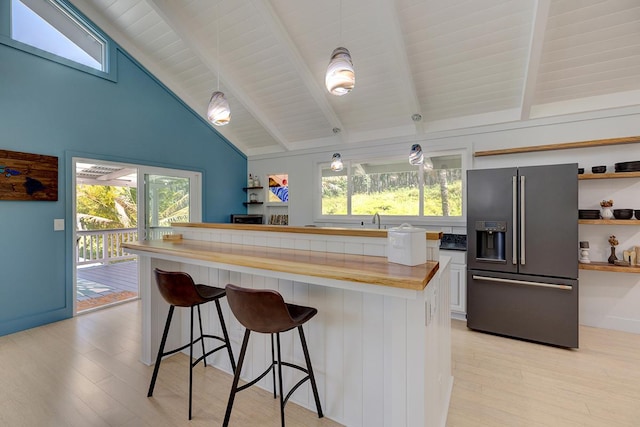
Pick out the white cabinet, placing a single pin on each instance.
(458, 282)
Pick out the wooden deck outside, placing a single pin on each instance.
(101, 285)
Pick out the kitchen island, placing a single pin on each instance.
(380, 344)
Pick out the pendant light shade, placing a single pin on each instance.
(416, 156)
(218, 112)
(340, 78)
(336, 163)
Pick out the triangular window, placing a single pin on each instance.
(52, 27)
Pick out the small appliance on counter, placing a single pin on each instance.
(246, 219)
(406, 245)
(453, 242)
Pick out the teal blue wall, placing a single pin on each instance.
(51, 109)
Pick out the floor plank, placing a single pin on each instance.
(85, 371)
(506, 382)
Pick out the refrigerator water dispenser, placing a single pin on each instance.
(490, 241)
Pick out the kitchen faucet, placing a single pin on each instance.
(374, 219)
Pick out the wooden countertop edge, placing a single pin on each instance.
(320, 264)
(330, 231)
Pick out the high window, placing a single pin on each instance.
(393, 187)
(54, 30)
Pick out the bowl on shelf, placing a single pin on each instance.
(599, 169)
(580, 171)
(637, 213)
(627, 166)
(588, 213)
(622, 213)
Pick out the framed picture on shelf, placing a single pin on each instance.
(278, 188)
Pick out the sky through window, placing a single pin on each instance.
(30, 28)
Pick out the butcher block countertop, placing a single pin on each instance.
(333, 231)
(338, 266)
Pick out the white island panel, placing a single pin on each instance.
(381, 357)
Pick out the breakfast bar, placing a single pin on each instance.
(380, 344)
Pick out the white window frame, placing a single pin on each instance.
(55, 8)
(395, 219)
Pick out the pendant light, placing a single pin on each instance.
(336, 163)
(340, 77)
(416, 156)
(218, 111)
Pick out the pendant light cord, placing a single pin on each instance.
(218, 41)
(340, 25)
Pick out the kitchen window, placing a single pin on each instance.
(393, 187)
(53, 30)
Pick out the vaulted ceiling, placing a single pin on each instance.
(457, 63)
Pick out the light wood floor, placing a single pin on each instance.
(85, 372)
(506, 382)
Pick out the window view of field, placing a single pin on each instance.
(393, 189)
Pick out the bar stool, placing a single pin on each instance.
(264, 311)
(179, 289)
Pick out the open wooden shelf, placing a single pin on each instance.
(605, 266)
(609, 175)
(560, 146)
(252, 188)
(609, 221)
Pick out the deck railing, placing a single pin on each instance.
(104, 246)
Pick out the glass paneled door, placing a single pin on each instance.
(170, 196)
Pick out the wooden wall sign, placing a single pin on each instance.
(25, 176)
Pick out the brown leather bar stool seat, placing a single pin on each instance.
(264, 311)
(179, 290)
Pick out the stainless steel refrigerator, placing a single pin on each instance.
(522, 260)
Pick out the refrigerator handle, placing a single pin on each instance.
(514, 247)
(522, 222)
(523, 282)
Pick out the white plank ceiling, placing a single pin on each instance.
(458, 63)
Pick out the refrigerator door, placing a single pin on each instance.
(548, 220)
(528, 307)
(491, 199)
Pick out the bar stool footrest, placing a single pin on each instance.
(255, 380)
(209, 353)
(293, 389)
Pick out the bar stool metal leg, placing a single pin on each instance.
(156, 368)
(273, 367)
(202, 336)
(191, 362)
(312, 378)
(236, 378)
(282, 402)
(226, 336)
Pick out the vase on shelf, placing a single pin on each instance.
(612, 258)
(606, 213)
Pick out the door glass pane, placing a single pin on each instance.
(167, 202)
(387, 188)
